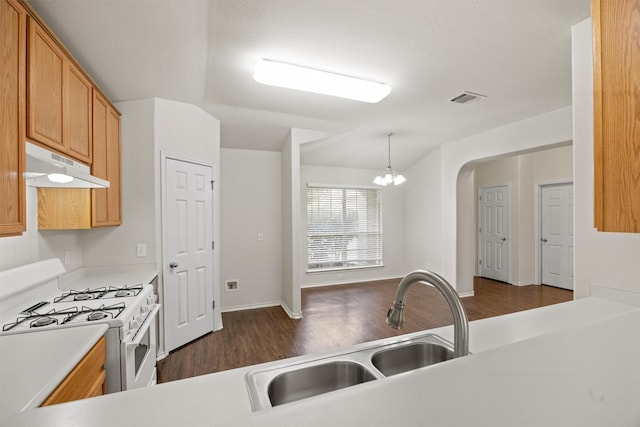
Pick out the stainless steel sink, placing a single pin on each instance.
(307, 376)
(408, 357)
(313, 380)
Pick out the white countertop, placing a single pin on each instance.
(33, 364)
(122, 275)
(574, 363)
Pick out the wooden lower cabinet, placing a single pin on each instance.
(87, 379)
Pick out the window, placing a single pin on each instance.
(344, 228)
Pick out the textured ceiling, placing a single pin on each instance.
(517, 52)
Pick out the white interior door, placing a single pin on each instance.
(557, 235)
(494, 233)
(188, 258)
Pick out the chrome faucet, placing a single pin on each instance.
(395, 316)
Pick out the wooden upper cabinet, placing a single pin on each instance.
(13, 23)
(616, 25)
(59, 98)
(46, 68)
(77, 113)
(106, 203)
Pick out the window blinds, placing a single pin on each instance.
(344, 228)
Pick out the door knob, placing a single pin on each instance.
(544, 240)
(504, 239)
(173, 265)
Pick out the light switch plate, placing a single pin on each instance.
(141, 250)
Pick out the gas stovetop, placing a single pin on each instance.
(116, 305)
(39, 318)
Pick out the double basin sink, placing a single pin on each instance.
(289, 381)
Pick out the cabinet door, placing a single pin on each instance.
(86, 380)
(77, 113)
(616, 115)
(13, 25)
(105, 209)
(113, 166)
(99, 212)
(46, 67)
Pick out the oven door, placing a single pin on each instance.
(138, 355)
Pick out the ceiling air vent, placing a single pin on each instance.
(467, 98)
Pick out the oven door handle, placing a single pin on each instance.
(141, 330)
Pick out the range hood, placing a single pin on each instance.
(48, 169)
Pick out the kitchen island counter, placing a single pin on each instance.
(568, 364)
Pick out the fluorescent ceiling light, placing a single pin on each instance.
(295, 77)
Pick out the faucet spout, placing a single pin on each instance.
(395, 316)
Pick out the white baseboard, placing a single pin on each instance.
(250, 306)
(514, 283)
(291, 314)
(281, 304)
(614, 294)
(466, 294)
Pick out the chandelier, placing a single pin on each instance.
(389, 175)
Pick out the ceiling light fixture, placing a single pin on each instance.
(389, 175)
(300, 78)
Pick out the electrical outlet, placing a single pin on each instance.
(261, 237)
(67, 257)
(231, 285)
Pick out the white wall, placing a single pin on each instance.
(34, 245)
(149, 127)
(251, 203)
(422, 214)
(601, 259)
(290, 184)
(117, 245)
(459, 248)
(392, 225)
(523, 173)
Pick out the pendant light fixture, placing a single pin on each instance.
(389, 175)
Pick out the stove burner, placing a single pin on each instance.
(43, 321)
(123, 291)
(97, 315)
(87, 294)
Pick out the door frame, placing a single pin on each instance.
(479, 224)
(538, 224)
(163, 268)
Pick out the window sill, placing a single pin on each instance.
(343, 269)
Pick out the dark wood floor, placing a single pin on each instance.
(336, 316)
